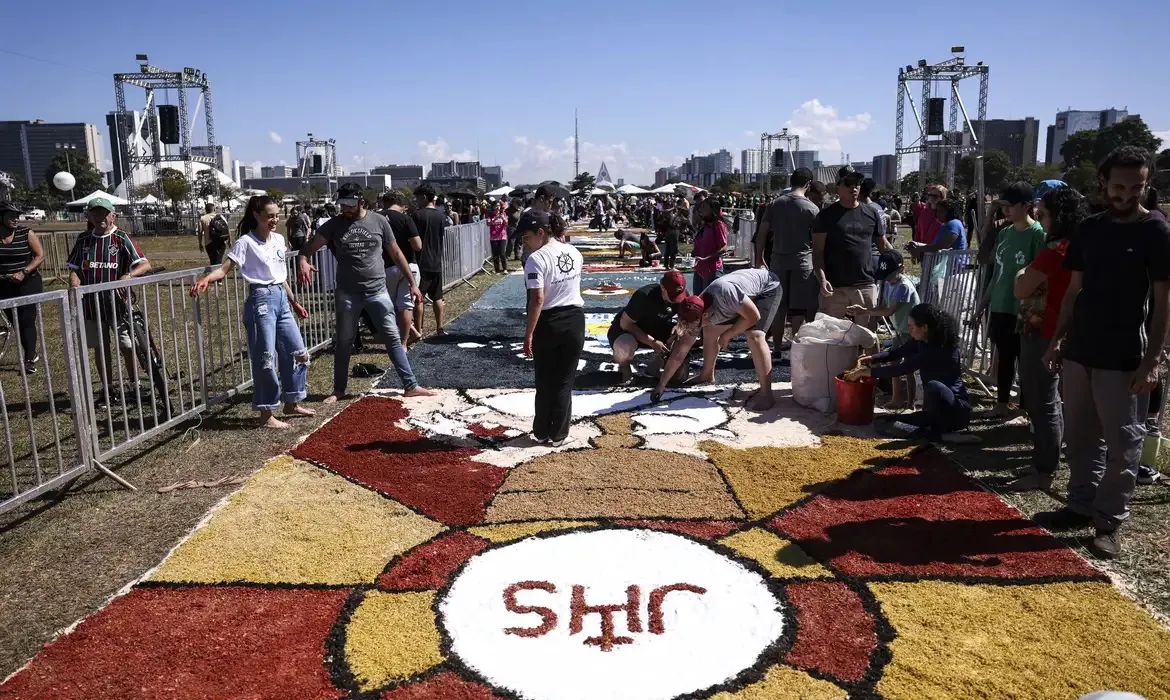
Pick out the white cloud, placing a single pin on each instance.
(820, 127)
(440, 151)
(274, 137)
(282, 162)
(749, 133)
(256, 165)
(1165, 136)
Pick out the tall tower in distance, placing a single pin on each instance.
(576, 147)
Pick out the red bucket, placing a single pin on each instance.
(855, 400)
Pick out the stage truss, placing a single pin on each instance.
(766, 143)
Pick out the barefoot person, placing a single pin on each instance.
(647, 322)
(359, 238)
(274, 340)
(744, 301)
(555, 333)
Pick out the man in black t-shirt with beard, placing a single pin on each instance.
(844, 235)
(432, 226)
(397, 281)
(1109, 362)
(647, 322)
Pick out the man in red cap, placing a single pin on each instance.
(647, 322)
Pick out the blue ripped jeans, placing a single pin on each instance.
(274, 342)
(381, 309)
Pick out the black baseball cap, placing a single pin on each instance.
(1017, 193)
(532, 220)
(848, 172)
(7, 207)
(888, 262)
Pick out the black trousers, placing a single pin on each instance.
(1002, 329)
(669, 245)
(26, 316)
(556, 348)
(500, 255)
(215, 251)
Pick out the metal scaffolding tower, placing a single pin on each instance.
(327, 150)
(141, 142)
(952, 145)
(766, 142)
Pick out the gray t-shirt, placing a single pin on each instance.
(791, 218)
(357, 245)
(881, 215)
(726, 293)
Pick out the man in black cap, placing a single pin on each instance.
(844, 235)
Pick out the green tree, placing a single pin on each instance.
(1083, 178)
(76, 162)
(371, 196)
(1033, 173)
(727, 184)
(583, 182)
(996, 165)
(226, 192)
(173, 184)
(316, 192)
(206, 185)
(1130, 132)
(276, 194)
(916, 181)
(1162, 163)
(1078, 148)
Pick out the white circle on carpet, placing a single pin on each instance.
(700, 617)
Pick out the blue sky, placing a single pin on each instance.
(653, 81)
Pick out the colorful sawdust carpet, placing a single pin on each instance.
(426, 549)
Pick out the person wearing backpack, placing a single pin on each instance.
(214, 234)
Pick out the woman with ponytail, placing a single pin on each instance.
(274, 339)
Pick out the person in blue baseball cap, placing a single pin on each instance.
(1046, 186)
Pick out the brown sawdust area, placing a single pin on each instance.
(65, 555)
(1145, 557)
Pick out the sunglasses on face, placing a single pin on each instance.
(349, 202)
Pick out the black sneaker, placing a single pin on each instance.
(31, 368)
(1106, 545)
(1147, 475)
(1063, 519)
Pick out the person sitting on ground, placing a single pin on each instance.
(744, 301)
(933, 352)
(647, 322)
(898, 297)
(650, 253)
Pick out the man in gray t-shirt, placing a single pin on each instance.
(789, 222)
(744, 301)
(358, 238)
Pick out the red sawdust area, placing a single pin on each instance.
(364, 444)
(835, 634)
(221, 642)
(702, 529)
(924, 518)
(479, 430)
(429, 565)
(441, 686)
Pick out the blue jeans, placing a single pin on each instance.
(274, 341)
(381, 310)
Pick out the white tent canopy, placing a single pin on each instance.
(597, 191)
(148, 199)
(502, 192)
(145, 174)
(632, 189)
(673, 188)
(605, 184)
(84, 201)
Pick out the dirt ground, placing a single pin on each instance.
(65, 555)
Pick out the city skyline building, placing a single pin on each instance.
(455, 169)
(1071, 121)
(1018, 138)
(885, 169)
(27, 147)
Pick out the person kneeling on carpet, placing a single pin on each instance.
(744, 301)
(648, 322)
(933, 352)
(650, 253)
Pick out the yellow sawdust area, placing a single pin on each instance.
(1058, 641)
(785, 682)
(614, 483)
(391, 637)
(616, 423)
(515, 531)
(614, 442)
(295, 523)
(782, 559)
(768, 478)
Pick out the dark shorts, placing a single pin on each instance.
(768, 304)
(801, 291)
(431, 284)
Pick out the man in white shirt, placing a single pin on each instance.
(555, 333)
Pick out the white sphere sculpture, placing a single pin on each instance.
(64, 181)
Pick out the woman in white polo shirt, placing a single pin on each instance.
(556, 323)
(274, 339)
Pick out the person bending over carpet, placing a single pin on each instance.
(647, 321)
(744, 301)
(933, 352)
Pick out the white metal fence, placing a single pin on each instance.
(171, 357)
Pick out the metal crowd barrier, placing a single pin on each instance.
(952, 280)
(181, 355)
(57, 246)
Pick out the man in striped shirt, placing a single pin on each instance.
(105, 254)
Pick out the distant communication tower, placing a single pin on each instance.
(160, 125)
(317, 158)
(935, 145)
(768, 166)
(576, 147)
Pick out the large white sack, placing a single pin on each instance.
(815, 367)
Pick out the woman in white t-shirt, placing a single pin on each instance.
(556, 323)
(274, 339)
